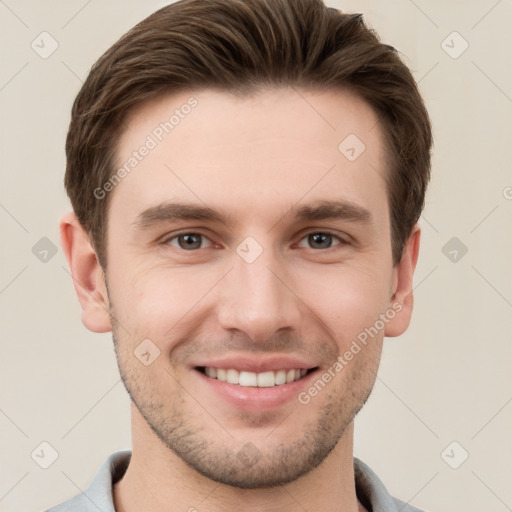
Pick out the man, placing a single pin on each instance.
(246, 178)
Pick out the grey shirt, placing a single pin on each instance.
(98, 496)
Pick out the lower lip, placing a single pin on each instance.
(255, 398)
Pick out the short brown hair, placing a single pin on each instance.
(242, 46)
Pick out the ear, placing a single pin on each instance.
(402, 299)
(88, 276)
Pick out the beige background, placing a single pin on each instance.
(447, 379)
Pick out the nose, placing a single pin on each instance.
(258, 299)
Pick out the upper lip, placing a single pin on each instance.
(258, 365)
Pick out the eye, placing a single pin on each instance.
(189, 241)
(320, 240)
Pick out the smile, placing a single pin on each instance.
(265, 379)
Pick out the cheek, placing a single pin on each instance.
(346, 299)
(156, 302)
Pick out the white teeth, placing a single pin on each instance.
(280, 377)
(266, 379)
(248, 379)
(232, 376)
(251, 379)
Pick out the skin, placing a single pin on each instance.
(253, 159)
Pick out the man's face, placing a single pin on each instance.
(274, 284)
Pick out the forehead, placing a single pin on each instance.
(278, 146)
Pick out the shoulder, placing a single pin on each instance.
(98, 495)
(373, 494)
(76, 504)
(402, 506)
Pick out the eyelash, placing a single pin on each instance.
(339, 239)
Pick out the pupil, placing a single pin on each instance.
(321, 240)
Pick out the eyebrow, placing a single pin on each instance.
(336, 210)
(320, 210)
(170, 212)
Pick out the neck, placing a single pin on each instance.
(156, 478)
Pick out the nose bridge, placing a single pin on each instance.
(256, 300)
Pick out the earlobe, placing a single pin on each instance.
(402, 300)
(88, 277)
